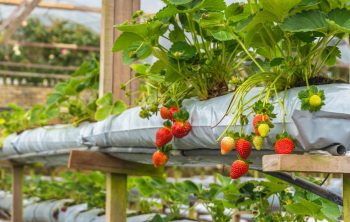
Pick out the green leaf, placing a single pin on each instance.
(330, 210)
(103, 113)
(213, 5)
(223, 36)
(139, 29)
(330, 55)
(212, 20)
(237, 12)
(53, 98)
(125, 40)
(137, 50)
(305, 22)
(140, 68)
(182, 51)
(118, 107)
(166, 12)
(179, 2)
(304, 208)
(279, 9)
(105, 100)
(340, 18)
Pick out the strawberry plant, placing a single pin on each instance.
(195, 49)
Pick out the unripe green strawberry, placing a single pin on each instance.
(263, 129)
(238, 169)
(227, 144)
(258, 142)
(159, 159)
(284, 146)
(315, 101)
(243, 148)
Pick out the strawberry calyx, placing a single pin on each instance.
(265, 109)
(167, 124)
(284, 135)
(181, 116)
(312, 99)
(166, 149)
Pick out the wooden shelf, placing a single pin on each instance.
(306, 163)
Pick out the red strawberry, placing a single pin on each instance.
(159, 159)
(238, 169)
(284, 146)
(164, 112)
(243, 148)
(163, 136)
(173, 110)
(259, 118)
(181, 129)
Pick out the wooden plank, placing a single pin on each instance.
(10, 25)
(306, 163)
(38, 66)
(32, 74)
(17, 197)
(113, 71)
(54, 45)
(56, 5)
(116, 198)
(346, 197)
(88, 160)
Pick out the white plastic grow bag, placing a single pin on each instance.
(47, 138)
(44, 211)
(69, 214)
(129, 130)
(89, 216)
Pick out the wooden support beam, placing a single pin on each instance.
(117, 171)
(32, 74)
(38, 66)
(306, 163)
(88, 160)
(346, 197)
(56, 5)
(116, 199)
(54, 45)
(113, 71)
(17, 196)
(10, 25)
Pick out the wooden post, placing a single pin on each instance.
(112, 70)
(116, 197)
(17, 198)
(346, 197)
(117, 171)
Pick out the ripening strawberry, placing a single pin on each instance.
(263, 129)
(173, 110)
(181, 129)
(315, 101)
(164, 112)
(238, 169)
(258, 142)
(257, 119)
(260, 117)
(284, 146)
(163, 136)
(243, 148)
(227, 144)
(159, 159)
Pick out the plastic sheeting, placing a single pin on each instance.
(313, 131)
(69, 214)
(47, 138)
(46, 211)
(129, 130)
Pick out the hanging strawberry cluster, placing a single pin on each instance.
(176, 125)
(262, 123)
